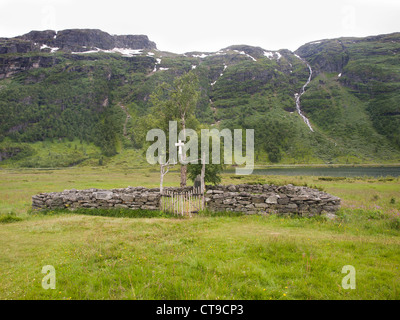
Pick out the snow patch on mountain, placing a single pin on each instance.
(245, 54)
(158, 61)
(272, 55)
(221, 74)
(201, 56)
(123, 51)
(52, 49)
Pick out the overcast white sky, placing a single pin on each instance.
(207, 25)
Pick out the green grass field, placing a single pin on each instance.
(204, 257)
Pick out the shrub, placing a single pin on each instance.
(394, 223)
(331, 178)
(9, 218)
(376, 214)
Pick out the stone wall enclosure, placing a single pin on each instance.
(249, 199)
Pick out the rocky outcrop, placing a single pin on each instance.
(10, 65)
(9, 46)
(333, 55)
(249, 199)
(134, 42)
(40, 37)
(72, 40)
(79, 40)
(325, 55)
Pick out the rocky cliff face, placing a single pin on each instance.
(8, 46)
(325, 55)
(12, 65)
(73, 40)
(333, 55)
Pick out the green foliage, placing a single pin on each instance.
(331, 178)
(16, 151)
(176, 101)
(171, 102)
(108, 131)
(274, 138)
(52, 154)
(9, 218)
(385, 115)
(212, 172)
(394, 223)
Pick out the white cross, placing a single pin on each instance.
(180, 144)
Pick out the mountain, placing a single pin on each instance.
(82, 96)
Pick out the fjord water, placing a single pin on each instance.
(345, 171)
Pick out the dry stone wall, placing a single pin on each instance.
(250, 199)
(131, 197)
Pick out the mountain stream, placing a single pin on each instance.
(298, 96)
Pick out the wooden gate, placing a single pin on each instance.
(182, 203)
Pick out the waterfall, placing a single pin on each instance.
(298, 96)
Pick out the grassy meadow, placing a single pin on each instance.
(209, 256)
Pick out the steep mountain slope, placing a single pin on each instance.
(92, 87)
(356, 91)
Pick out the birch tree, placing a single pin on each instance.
(177, 102)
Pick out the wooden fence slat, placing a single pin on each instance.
(182, 203)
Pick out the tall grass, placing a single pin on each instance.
(204, 257)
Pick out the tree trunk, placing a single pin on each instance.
(183, 175)
(161, 176)
(183, 167)
(161, 181)
(203, 184)
(203, 172)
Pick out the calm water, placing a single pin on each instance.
(332, 171)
